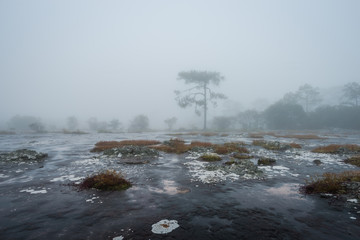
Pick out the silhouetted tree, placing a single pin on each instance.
(283, 115)
(200, 95)
(37, 127)
(170, 122)
(139, 123)
(223, 123)
(94, 124)
(22, 122)
(308, 96)
(114, 124)
(352, 93)
(249, 119)
(72, 123)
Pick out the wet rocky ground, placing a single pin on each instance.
(200, 200)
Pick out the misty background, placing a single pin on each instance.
(120, 59)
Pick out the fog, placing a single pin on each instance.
(119, 59)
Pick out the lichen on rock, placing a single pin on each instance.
(164, 226)
(23, 155)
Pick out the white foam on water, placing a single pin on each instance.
(33, 191)
(70, 177)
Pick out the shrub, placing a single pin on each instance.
(210, 157)
(108, 180)
(355, 160)
(241, 156)
(334, 183)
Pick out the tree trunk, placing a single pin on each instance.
(205, 105)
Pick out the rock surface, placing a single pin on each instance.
(23, 155)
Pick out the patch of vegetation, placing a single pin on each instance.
(338, 149)
(178, 146)
(302, 136)
(333, 183)
(7, 133)
(275, 146)
(295, 145)
(103, 145)
(231, 147)
(241, 156)
(210, 157)
(175, 145)
(108, 180)
(266, 161)
(255, 135)
(65, 131)
(355, 160)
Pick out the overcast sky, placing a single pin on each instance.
(117, 59)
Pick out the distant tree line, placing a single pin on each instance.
(300, 110)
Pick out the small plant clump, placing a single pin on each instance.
(275, 146)
(108, 180)
(333, 183)
(337, 149)
(355, 160)
(266, 161)
(295, 145)
(231, 147)
(210, 157)
(175, 145)
(178, 146)
(241, 156)
(104, 145)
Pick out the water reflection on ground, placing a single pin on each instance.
(38, 201)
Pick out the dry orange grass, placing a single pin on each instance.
(295, 145)
(331, 183)
(227, 148)
(336, 148)
(301, 136)
(103, 145)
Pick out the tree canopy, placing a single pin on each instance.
(200, 95)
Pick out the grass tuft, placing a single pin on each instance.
(334, 183)
(355, 160)
(210, 157)
(108, 180)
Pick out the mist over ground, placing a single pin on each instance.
(120, 59)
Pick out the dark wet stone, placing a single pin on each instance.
(317, 162)
(23, 155)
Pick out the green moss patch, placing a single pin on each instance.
(210, 157)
